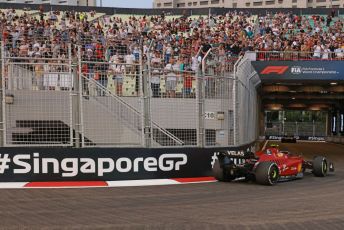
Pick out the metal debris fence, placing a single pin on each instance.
(127, 100)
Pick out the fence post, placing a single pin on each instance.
(2, 98)
(234, 98)
(80, 85)
(283, 127)
(75, 99)
(199, 106)
(145, 72)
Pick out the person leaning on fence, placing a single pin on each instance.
(38, 72)
(318, 49)
(187, 78)
(339, 51)
(117, 69)
(100, 75)
(156, 63)
(326, 53)
(50, 80)
(155, 83)
(89, 62)
(88, 68)
(171, 78)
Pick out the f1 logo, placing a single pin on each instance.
(275, 69)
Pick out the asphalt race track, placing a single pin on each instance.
(310, 203)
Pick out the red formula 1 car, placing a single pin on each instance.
(267, 167)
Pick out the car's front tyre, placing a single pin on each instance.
(320, 166)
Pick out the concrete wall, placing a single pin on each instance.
(336, 139)
(105, 126)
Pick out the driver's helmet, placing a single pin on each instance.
(268, 152)
(280, 154)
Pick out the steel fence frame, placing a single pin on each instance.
(17, 78)
(297, 56)
(214, 86)
(310, 129)
(245, 94)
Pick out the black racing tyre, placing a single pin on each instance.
(222, 173)
(218, 172)
(267, 173)
(320, 166)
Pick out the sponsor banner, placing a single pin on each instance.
(301, 138)
(300, 70)
(106, 164)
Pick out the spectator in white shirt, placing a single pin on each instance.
(326, 53)
(171, 78)
(318, 48)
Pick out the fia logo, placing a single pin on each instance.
(296, 70)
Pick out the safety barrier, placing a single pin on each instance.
(297, 55)
(126, 101)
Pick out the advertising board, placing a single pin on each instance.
(106, 164)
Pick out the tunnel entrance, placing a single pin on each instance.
(295, 123)
(305, 110)
(302, 98)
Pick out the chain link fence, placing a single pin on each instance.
(130, 97)
(37, 99)
(217, 85)
(246, 108)
(310, 129)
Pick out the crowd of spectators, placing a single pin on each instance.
(171, 44)
(48, 33)
(311, 36)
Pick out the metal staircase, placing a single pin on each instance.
(127, 114)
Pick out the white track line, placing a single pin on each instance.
(110, 184)
(12, 185)
(132, 183)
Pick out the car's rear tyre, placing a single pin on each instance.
(320, 166)
(267, 173)
(218, 172)
(222, 173)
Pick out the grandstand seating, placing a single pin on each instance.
(184, 36)
(103, 52)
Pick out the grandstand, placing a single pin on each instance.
(98, 78)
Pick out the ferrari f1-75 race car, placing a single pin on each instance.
(267, 167)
